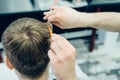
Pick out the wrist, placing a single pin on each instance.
(85, 19)
(92, 20)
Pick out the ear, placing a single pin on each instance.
(7, 62)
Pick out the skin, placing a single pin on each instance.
(66, 17)
(22, 77)
(62, 58)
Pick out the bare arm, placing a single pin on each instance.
(65, 17)
(109, 21)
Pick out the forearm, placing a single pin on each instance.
(104, 20)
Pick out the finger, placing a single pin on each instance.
(64, 44)
(59, 8)
(54, 7)
(50, 13)
(46, 13)
(57, 24)
(52, 18)
(61, 42)
(67, 48)
(51, 55)
(56, 37)
(56, 49)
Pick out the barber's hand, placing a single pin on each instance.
(63, 17)
(62, 58)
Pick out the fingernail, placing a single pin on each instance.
(44, 13)
(50, 52)
(44, 18)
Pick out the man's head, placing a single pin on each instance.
(26, 43)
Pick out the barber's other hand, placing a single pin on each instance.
(62, 58)
(63, 17)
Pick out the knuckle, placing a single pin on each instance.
(61, 8)
(53, 44)
(60, 59)
(72, 54)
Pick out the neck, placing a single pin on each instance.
(44, 76)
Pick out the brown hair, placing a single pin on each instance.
(26, 43)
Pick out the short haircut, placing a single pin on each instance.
(26, 42)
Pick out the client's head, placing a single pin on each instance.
(26, 42)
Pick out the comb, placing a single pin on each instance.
(50, 28)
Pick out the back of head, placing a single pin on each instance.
(26, 43)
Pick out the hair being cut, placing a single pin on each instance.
(26, 42)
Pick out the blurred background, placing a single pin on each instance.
(98, 53)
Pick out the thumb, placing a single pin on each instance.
(51, 55)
